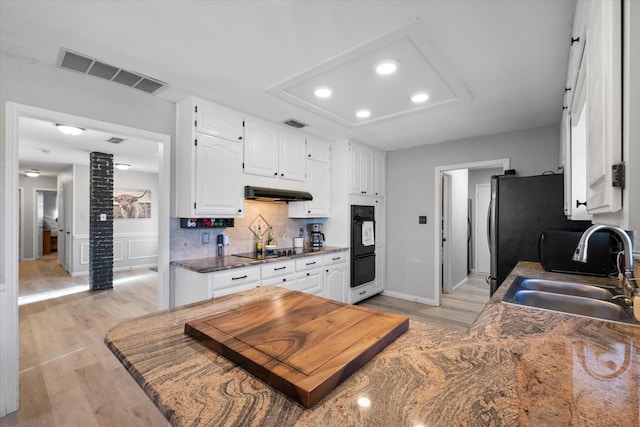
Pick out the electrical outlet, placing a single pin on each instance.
(103, 217)
(422, 219)
(205, 237)
(301, 232)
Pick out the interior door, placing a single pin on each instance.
(68, 210)
(447, 286)
(481, 249)
(39, 222)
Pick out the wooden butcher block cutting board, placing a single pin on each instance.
(300, 344)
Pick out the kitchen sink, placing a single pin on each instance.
(567, 297)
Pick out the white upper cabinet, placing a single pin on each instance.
(215, 120)
(218, 182)
(208, 168)
(592, 124)
(603, 81)
(318, 182)
(273, 152)
(292, 157)
(368, 168)
(261, 148)
(318, 150)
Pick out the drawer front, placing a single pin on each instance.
(235, 277)
(361, 292)
(308, 263)
(288, 281)
(274, 269)
(335, 258)
(235, 288)
(310, 282)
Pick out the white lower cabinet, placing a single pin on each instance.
(322, 275)
(190, 286)
(378, 284)
(235, 280)
(361, 292)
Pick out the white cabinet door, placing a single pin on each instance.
(292, 153)
(378, 284)
(379, 173)
(603, 57)
(356, 184)
(318, 150)
(310, 282)
(367, 172)
(335, 281)
(218, 177)
(260, 148)
(380, 214)
(218, 121)
(319, 185)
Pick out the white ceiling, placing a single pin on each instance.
(508, 56)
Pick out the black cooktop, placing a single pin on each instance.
(277, 253)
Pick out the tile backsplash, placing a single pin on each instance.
(186, 243)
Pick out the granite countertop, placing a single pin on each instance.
(515, 366)
(218, 263)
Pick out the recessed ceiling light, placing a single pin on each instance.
(122, 166)
(420, 97)
(387, 67)
(323, 92)
(69, 130)
(363, 114)
(32, 173)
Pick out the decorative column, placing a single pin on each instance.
(100, 221)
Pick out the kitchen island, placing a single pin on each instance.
(515, 366)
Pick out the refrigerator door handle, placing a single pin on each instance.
(489, 225)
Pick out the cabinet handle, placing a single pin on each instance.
(240, 138)
(363, 292)
(275, 174)
(308, 274)
(279, 268)
(336, 258)
(311, 263)
(308, 211)
(281, 174)
(284, 280)
(308, 155)
(238, 278)
(327, 270)
(239, 210)
(579, 203)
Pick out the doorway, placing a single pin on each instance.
(10, 241)
(459, 223)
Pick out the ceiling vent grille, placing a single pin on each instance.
(115, 140)
(295, 123)
(86, 65)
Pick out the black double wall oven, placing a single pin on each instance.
(363, 248)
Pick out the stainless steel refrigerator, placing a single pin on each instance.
(520, 209)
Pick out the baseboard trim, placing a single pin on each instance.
(407, 297)
(129, 267)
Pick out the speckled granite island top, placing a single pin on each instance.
(517, 366)
(219, 263)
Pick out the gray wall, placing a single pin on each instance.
(410, 192)
(29, 185)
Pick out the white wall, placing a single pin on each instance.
(29, 185)
(458, 238)
(410, 193)
(135, 241)
(25, 81)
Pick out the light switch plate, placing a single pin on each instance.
(422, 219)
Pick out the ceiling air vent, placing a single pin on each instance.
(295, 123)
(115, 140)
(86, 65)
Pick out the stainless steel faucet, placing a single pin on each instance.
(580, 255)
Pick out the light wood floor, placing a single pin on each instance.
(68, 376)
(55, 277)
(458, 310)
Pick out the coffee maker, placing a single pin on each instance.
(317, 236)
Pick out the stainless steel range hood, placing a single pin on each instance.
(275, 194)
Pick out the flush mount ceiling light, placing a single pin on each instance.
(122, 166)
(69, 130)
(420, 97)
(323, 92)
(387, 67)
(363, 114)
(32, 173)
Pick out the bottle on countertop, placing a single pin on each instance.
(272, 240)
(259, 242)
